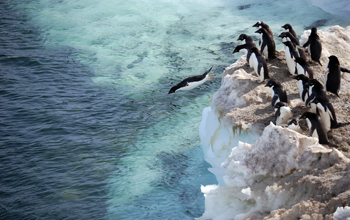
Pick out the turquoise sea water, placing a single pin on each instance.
(87, 128)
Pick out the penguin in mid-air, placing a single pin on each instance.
(282, 114)
(333, 76)
(268, 47)
(303, 67)
(289, 28)
(290, 54)
(261, 24)
(277, 92)
(303, 86)
(192, 82)
(314, 46)
(294, 125)
(316, 128)
(259, 64)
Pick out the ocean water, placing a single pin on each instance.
(88, 130)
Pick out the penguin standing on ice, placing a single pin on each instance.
(261, 24)
(290, 54)
(289, 28)
(303, 67)
(314, 46)
(303, 86)
(316, 128)
(327, 114)
(316, 89)
(282, 113)
(192, 82)
(333, 77)
(277, 92)
(294, 125)
(268, 47)
(259, 64)
(248, 43)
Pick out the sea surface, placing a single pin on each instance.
(87, 129)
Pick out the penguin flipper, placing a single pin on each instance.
(344, 70)
(312, 129)
(277, 114)
(309, 99)
(307, 43)
(274, 99)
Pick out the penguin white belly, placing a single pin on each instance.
(265, 52)
(285, 115)
(251, 62)
(300, 69)
(261, 74)
(314, 134)
(272, 91)
(325, 80)
(254, 63)
(301, 89)
(313, 107)
(325, 117)
(290, 61)
(192, 85)
(295, 128)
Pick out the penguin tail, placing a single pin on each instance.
(319, 62)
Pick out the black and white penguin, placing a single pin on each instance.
(316, 89)
(192, 82)
(277, 92)
(303, 86)
(290, 54)
(287, 36)
(294, 125)
(303, 67)
(245, 39)
(245, 47)
(333, 76)
(259, 64)
(325, 110)
(282, 114)
(261, 24)
(316, 128)
(268, 47)
(314, 46)
(289, 28)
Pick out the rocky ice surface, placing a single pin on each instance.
(270, 172)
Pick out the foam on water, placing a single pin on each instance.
(141, 48)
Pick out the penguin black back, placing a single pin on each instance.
(333, 77)
(268, 43)
(315, 46)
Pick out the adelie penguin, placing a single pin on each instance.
(287, 36)
(302, 67)
(314, 46)
(333, 76)
(289, 28)
(248, 43)
(316, 89)
(303, 87)
(277, 92)
(192, 82)
(327, 114)
(268, 47)
(316, 128)
(259, 64)
(261, 24)
(294, 125)
(282, 113)
(290, 54)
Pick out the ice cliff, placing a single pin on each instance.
(266, 171)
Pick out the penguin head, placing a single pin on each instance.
(237, 49)
(257, 24)
(314, 30)
(333, 60)
(261, 30)
(287, 26)
(315, 83)
(254, 50)
(242, 37)
(271, 82)
(293, 121)
(283, 34)
(301, 77)
(173, 89)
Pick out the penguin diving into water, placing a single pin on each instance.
(192, 82)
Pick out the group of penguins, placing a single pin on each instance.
(322, 117)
